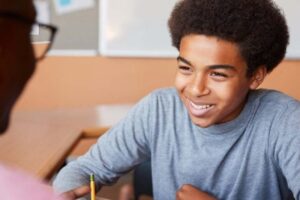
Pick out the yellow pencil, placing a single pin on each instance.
(92, 185)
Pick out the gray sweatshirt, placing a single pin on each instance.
(256, 156)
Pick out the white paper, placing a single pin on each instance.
(109, 115)
(66, 6)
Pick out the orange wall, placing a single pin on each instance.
(286, 78)
(88, 81)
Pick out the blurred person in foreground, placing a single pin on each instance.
(17, 65)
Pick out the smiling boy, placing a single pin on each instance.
(213, 86)
(213, 136)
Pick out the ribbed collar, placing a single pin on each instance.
(235, 126)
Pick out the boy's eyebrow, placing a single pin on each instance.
(179, 58)
(230, 67)
(218, 66)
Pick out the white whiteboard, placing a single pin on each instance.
(138, 28)
(291, 10)
(135, 28)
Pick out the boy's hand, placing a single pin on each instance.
(189, 192)
(76, 193)
(126, 192)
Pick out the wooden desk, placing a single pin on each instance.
(39, 142)
(108, 115)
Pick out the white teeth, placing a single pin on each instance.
(200, 107)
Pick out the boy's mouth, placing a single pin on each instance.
(199, 110)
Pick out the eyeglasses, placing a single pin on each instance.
(46, 33)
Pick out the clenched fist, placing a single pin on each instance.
(189, 192)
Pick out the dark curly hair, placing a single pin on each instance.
(257, 26)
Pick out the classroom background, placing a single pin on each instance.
(82, 74)
(72, 81)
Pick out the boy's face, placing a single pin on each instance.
(17, 61)
(211, 79)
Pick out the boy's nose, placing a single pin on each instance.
(199, 86)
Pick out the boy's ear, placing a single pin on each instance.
(258, 77)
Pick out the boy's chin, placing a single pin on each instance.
(202, 123)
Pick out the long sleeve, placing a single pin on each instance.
(286, 147)
(115, 153)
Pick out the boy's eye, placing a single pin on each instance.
(218, 75)
(185, 69)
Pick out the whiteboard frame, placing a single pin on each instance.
(77, 53)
